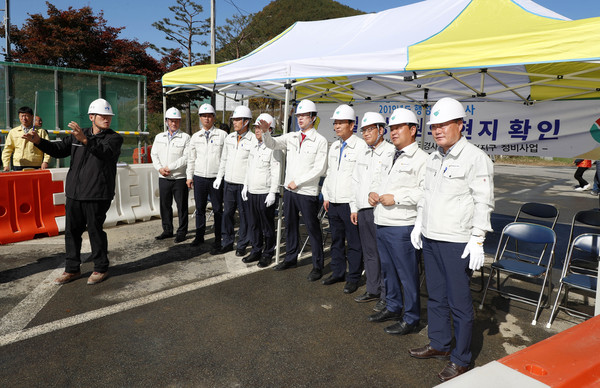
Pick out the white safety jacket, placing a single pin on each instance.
(404, 179)
(235, 157)
(459, 194)
(304, 164)
(337, 186)
(264, 169)
(367, 164)
(172, 153)
(205, 156)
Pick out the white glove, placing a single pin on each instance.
(474, 249)
(217, 183)
(270, 200)
(245, 193)
(415, 235)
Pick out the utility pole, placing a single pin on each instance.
(6, 10)
(213, 97)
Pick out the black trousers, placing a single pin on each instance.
(308, 205)
(261, 225)
(202, 188)
(170, 189)
(232, 200)
(78, 215)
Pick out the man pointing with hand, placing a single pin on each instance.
(89, 188)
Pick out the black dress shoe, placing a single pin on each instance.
(264, 262)
(400, 328)
(451, 370)
(428, 352)
(385, 315)
(331, 280)
(180, 237)
(251, 258)
(350, 287)
(379, 306)
(285, 265)
(240, 252)
(163, 236)
(366, 297)
(221, 250)
(315, 275)
(199, 240)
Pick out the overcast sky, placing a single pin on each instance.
(137, 16)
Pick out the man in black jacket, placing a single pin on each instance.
(90, 187)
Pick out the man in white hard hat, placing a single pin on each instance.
(339, 203)
(23, 153)
(306, 162)
(261, 190)
(89, 188)
(372, 128)
(232, 169)
(453, 218)
(169, 157)
(204, 158)
(397, 188)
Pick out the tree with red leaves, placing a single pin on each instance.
(79, 39)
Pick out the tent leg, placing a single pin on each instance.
(288, 87)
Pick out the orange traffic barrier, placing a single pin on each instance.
(27, 205)
(142, 155)
(567, 359)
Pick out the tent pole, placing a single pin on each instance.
(288, 87)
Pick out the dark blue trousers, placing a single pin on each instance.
(202, 188)
(261, 223)
(78, 216)
(170, 189)
(344, 231)
(448, 278)
(232, 200)
(400, 271)
(368, 241)
(308, 205)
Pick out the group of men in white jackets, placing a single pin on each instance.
(386, 203)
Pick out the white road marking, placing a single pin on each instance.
(27, 309)
(46, 328)
(520, 192)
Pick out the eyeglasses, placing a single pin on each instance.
(368, 129)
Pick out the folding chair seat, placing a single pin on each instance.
(537, 241)
(588, 247)
(531, 212)
(584, 221)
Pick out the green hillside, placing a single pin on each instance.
(279, 15)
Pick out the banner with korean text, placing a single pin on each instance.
(569, 129)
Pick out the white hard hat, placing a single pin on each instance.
(267, 117)
(344, 112)
(306, 106)
(100, 107)
(446, 109)
(206, 108)
(242, 111)
(403, 116)
(370, 118)
(173, 113)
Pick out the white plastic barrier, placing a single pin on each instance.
(136, 195)
(144, 191)
(121, 209)
(60, 174)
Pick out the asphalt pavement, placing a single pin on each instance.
(171, 315)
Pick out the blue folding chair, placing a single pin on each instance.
(534, 241)
(586, 247)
